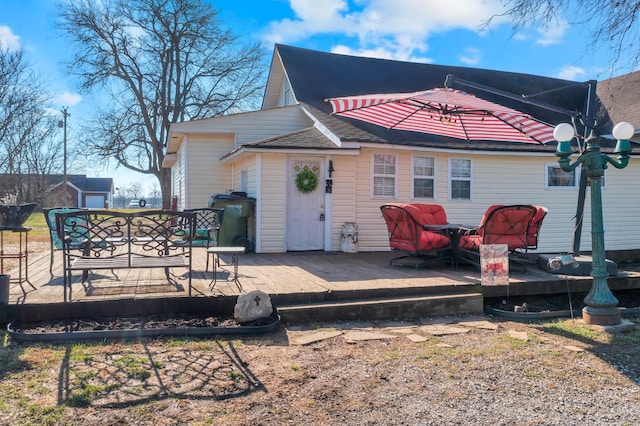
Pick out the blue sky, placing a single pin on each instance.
(433, 31)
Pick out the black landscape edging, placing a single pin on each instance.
(537, 316)
(129, 334)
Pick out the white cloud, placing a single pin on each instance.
(67, 99)
(553, 33)
(571, 72)
(520, 36)
(471, 56)
(380, 53)
(396, 29)
(8, 40)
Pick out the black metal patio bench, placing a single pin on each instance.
(110, 240)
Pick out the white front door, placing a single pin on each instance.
(305, 210)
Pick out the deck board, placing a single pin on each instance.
(312, 273)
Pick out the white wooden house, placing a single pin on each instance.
(362, 166)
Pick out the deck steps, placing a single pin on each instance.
(387, 308)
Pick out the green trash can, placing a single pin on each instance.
(238, 213)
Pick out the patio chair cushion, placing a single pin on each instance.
(427, 214)
(202, 234)
(404, 223)
(204, 238)
(500, 225)
(50, 215)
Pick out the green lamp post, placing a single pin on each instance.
(601, 305)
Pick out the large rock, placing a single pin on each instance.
(252, 306)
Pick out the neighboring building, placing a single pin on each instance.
(48, 190)
(361, 166)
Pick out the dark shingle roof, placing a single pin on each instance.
(315, 76)
(620, 96)
(98, 184)
(310, 138)
(84, 183)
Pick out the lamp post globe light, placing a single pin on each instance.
(601, 305)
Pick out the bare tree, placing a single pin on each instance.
(159, 61)
(28, 135)
(135, 190)
(155, 191)
(613, 24)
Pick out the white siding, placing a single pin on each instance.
(503, 180)
(207, 176)
(497, 179)
(178, 176)
(285, 96)
(272, 202)
(248, 164)
(372, 231)
(344, 197)
(250, 126)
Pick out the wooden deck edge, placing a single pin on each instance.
(385, 308)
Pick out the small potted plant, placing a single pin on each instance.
(13, 214)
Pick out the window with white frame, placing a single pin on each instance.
(424, 171)
(384, 176)
(558, 178)
(460, 179)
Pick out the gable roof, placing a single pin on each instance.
(84, 183)
(98, 184)
(620, 97)
(306, 138)
(315, 76)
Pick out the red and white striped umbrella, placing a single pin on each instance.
(447, 112)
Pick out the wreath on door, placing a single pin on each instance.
(306, 181)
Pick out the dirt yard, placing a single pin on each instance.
(445, 371)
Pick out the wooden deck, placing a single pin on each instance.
(289, 278)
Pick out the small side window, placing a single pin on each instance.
(460, 179)
(384, 176)
(424, 171)
(558, 178)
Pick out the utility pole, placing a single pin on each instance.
(63, 124)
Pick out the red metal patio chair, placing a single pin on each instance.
(406, 225)
(500, 224)
(536, 224)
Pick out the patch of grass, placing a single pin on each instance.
(81, 353)
(173, 343)
(46, 415)
(513, 343)
(134, 367)
(195, 344)
(629, 338)
(390, 354)
(309, 402)
(235, 375)
(85, 396)
(577, 331)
